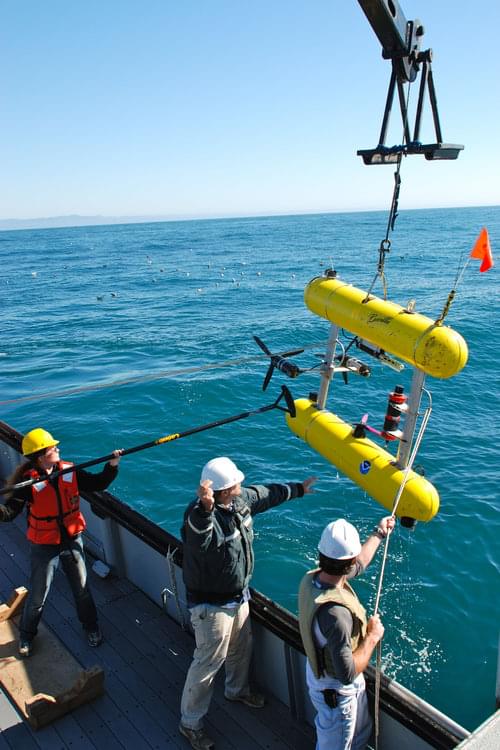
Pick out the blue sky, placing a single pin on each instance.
(219, 107)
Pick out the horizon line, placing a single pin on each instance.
(61, 221)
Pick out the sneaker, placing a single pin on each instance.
(94, 637)
(253, 700)
(25, 648)
(197, 738)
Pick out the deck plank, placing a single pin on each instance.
(97, 730)
(149, 717)
(145, 656)
(13, 730)
(47, 738)
(177, 654)
(120, 725)
(72, 734)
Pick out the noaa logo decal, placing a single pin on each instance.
(365, 467)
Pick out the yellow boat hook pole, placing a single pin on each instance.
(285, 394)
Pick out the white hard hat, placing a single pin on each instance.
(340, 540)
(222, 472)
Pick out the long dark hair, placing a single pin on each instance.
(20, 470)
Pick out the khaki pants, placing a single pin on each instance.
(222, 636)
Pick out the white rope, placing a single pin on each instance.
(149, 376)
(399, 493)
(175, 591)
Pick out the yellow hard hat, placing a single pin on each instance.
(36, 440)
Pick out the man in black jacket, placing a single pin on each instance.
(217, 567)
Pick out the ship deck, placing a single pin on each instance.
(145, 657)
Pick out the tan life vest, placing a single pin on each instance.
(310, 600)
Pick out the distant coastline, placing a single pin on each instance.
(77, 220)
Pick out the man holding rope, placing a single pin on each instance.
(338, 638)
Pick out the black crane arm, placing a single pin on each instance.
(400, 40)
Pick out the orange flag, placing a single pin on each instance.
(482, 250)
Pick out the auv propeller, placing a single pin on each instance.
(279, 362)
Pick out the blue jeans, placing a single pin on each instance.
(346, 727)
(44, 563)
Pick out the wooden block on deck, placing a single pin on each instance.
(14, 605)
(48, 684)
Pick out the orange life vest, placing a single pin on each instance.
(52, 507)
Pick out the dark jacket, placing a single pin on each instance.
(218, 554)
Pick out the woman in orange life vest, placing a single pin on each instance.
(55, 525)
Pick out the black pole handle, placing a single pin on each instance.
(285, 393)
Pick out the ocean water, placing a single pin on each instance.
(116, 335)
